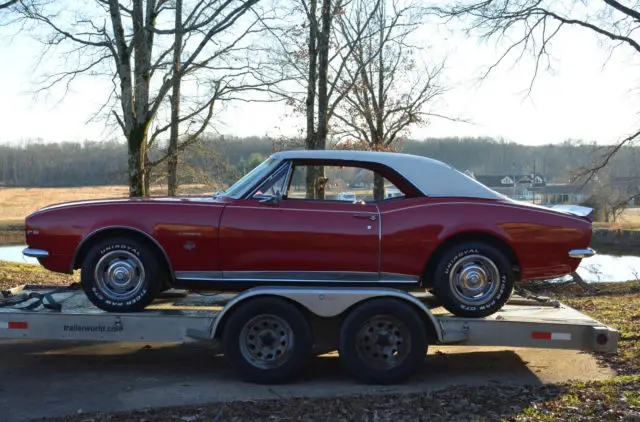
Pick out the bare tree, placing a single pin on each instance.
(313, 70)
(324, 36)
(611, 198)
(124, 43)
(386, 89)
(531, 26)
(172, 164)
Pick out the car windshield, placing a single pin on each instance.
(238, 188)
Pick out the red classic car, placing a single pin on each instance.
(414, 223)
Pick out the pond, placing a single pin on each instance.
(14, 254)
(594, 269)
(610, 268)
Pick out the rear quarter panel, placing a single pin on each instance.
(412, 230)
(187, 231)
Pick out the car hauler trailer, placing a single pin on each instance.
(268, 333)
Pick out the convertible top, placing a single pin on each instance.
(431, 177)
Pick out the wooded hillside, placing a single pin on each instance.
(223, 159)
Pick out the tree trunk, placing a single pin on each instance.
(323, 70)
(311, 96)
(323, 95)
(378, 187)
(172, 162)
(137, 144)
(379, 139)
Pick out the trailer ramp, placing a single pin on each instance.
(532, 325)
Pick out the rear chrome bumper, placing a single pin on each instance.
(581, 253)
(35, 253)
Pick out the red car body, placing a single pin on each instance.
(225, 243)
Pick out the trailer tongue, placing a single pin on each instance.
(268, 333)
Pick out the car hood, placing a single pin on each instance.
(109, 201)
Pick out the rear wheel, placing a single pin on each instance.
(473, 280)
(382, 341)
(121, 274)
(268, 340)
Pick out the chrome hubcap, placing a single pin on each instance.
(120, 275)
(474, 279)
(266, 341)
(383, 342)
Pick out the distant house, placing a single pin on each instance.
(525, 184)
(561, 194)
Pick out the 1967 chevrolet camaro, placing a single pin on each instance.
(414, 223)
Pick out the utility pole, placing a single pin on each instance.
(515, 176)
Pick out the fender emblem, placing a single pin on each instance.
(189, 246)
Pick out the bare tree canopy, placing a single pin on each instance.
(529, 27)
(294, 51)
(131, 43)
(311, 59)
(386, 86)
(352, 68)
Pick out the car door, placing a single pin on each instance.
(272, 238)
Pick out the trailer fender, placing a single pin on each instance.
(323, 302)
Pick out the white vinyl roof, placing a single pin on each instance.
(431, 177)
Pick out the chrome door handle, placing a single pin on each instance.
(367, 216)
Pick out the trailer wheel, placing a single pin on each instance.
(382, 341)
(267, 340)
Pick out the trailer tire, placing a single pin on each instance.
(115, 264)
(267, 340)
(376, 333)
(473, 268)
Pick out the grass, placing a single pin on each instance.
(628, 220)
(617, 305)
(13, 274)
(17, 203)
(12, 233)
(618, 398)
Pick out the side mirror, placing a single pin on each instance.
(272, 200)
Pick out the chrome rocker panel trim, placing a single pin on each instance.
(296, 277)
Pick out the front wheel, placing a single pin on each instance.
(473, 280)
(120, 275)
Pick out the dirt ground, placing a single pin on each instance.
(47, 379)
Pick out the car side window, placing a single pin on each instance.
(340, 183)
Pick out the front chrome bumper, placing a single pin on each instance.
(581, 253)
(35, 253)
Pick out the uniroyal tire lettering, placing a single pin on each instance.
(457, 257)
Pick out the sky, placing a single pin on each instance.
(582, 99)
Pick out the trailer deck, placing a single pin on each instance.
(187, 317)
